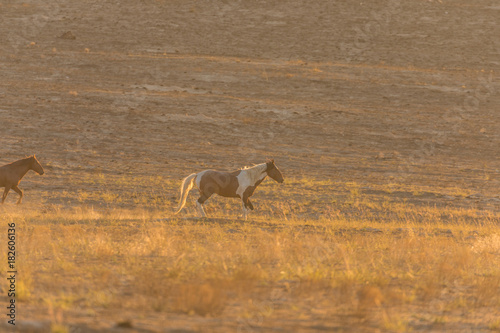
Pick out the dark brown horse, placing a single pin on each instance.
(237, 184)
(11, 174)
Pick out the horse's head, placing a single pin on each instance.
(273, 172)
(36, 166)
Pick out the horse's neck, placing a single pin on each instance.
(23, 167)
(257, 173)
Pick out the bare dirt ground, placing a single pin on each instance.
(121, 100)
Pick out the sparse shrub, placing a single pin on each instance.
(487, 291)
(202, 299)
(369, 296)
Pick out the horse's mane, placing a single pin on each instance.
(21, 161)
(255, 171)
(246, 167)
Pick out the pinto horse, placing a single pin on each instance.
(11, 174)
(237, 184)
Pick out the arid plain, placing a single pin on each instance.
(383, 116)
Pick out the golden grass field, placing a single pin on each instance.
(379, 267)
(382, 116)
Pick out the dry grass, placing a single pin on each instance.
(368, 264)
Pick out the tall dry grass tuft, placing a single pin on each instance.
(56, 317)
(487, 291)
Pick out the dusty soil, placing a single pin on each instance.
(399, 95)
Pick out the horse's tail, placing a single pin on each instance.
(187, 185)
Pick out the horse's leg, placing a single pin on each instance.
(200, 208)
(199, 203)
(5, 192)
(246, 205)
(20, 192)
(249, 204)
(245, 212)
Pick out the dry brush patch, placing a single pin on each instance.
(336, 270)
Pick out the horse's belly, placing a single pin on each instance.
(228, 193)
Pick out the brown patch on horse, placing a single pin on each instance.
(222, 183)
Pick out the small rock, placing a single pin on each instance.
(405, 231)
(68, 35)
(375, 230)
(125, 324)
(444, 232)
